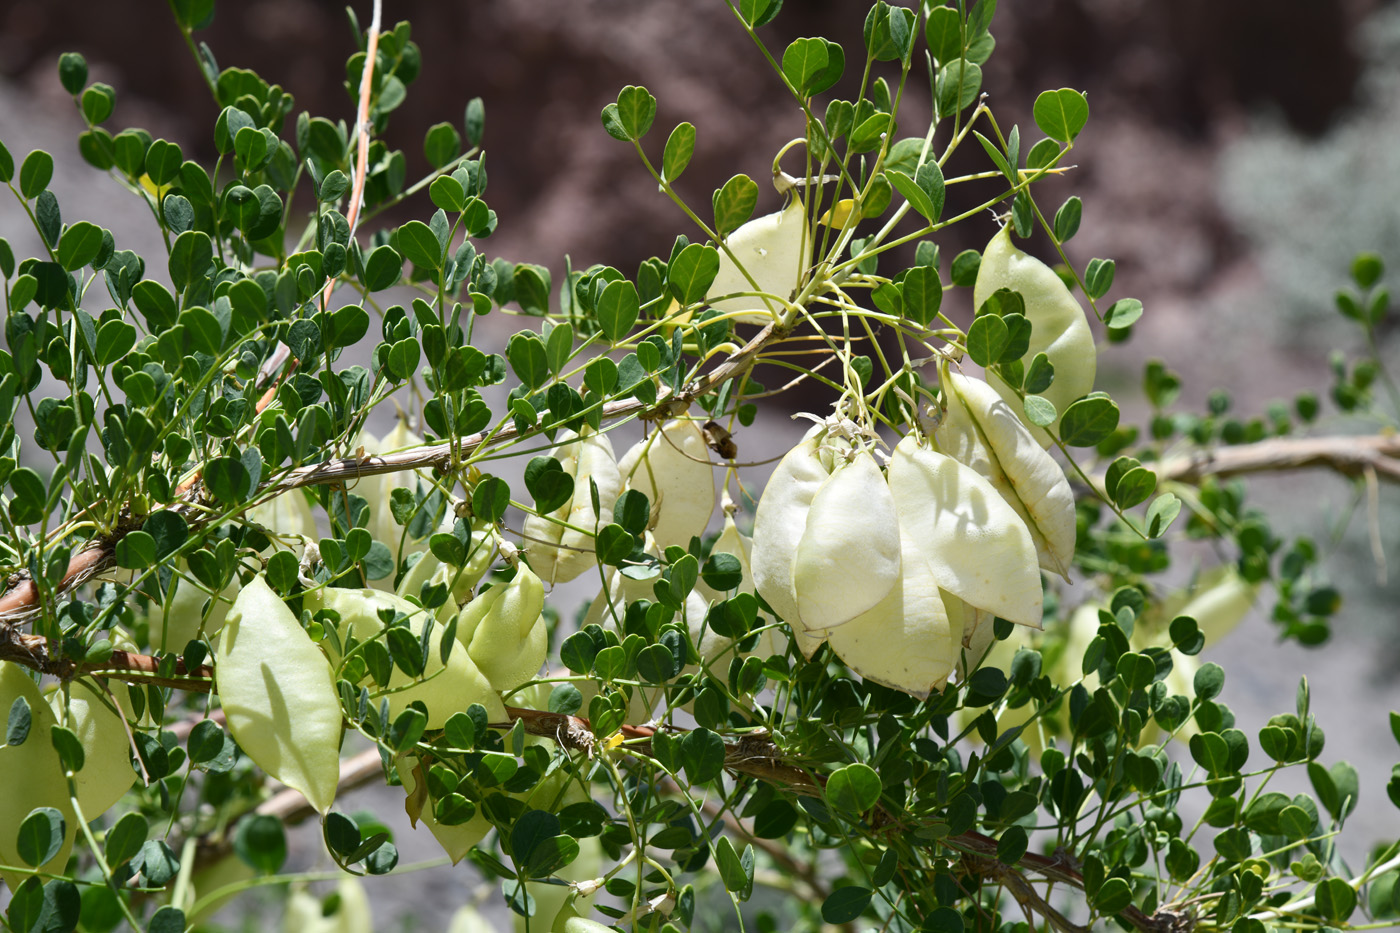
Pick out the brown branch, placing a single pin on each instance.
(21, 600)
(1350, 456)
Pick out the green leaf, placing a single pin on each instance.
(35, 173)
(617, 309)
(531, 284)
(227, 478)
(1123, 313)
(870, 133)
(1336, 900)
(40, 836)
(855, 788)
(702, 755)
(7, 169)
(1040, 411)
(491, 498)
(1114, 894)
(79, 245)
(261, 842)
(1088, 421)
(835, 67)
(547, 482)
(125, 838)
(20, 720)
(135, 551)
(959, 83)
(167, 919)
(987, 338)
(944, 34)
(1209, 751)
(1061, 114)
(383, 266)
(734, 203)
(1161, 513)
(526, 353)
(889, 32)
(923, 294)
(630, 118)
(191, 257)
(1098, 277)
(97, 103)
(803, 61)
(845, 904)
(925, 191)
(420, 246)
(72, 72)
(679, 148)
(447, 193)
(691, 273)
(735, 871)
(441, 144)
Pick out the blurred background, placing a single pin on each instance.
(1237, 156)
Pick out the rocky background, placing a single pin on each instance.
(1238, 154)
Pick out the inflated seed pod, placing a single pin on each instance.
(779, 523)
(977, 546)
(976, 627)
(187, 611)
(280, 701)
(30, 775)
(732, 541)
(981, 430)
(288, 514)
(107, 773)
(504, 632)
(775, 250)
(468, 919)
(351, 913)
(378, 491)
(444, 688)
(1059, 328)
(559, 552)
(456, 840)
(848, 559)
(672, 468)
(550, 912)
(481, 553)
(906, 641)
(1220, 601)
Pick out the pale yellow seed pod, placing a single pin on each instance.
(978, 547)
(775, 250)
(504, 632)
(468, 919)
(107, 773)
(278, 695)
(779, 522)
(732, 541)
(378, 492)
(1059, 328)
(672, 468)
(906, 641)
(848, 559)
(456, 840)
(982, 431)
(443, 689)
(30, 775)
(560, 553)
(481, 555)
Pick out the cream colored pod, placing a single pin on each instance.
(444, 688)
(976, 545)
(672, 468)
(1059, 328)
(732, 541)
(826, 545)
(187, 611)
(107, 773)
(304, 913)
(778, 526)
(982, 431)
(775, 250)
(456, 840)
(278, 695)
(430, 570)
(30, 775)
(559, 552)
(504, 632)
(906, 641)
(378, 491)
